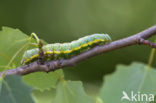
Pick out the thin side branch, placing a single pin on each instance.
(139, 38)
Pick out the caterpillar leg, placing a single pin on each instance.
(40, 45)
(41, 53)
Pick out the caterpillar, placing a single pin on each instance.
(66, 50)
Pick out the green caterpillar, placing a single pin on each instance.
(66, 50)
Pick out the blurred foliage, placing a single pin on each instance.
(71, 92)
(136, 77)
(45, 96)
(43, 81)
(15, 91)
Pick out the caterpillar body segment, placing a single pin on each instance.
(66, 50)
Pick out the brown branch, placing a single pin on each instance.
(138, 38)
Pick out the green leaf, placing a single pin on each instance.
(42, 80)
(71, 92)
(137, 78)
(11, 40)
(15, 91)
(9, 44)
(44, 96)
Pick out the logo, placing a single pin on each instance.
(137, 96)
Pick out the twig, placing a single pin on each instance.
(52, 65)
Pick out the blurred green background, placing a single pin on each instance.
(67, 20)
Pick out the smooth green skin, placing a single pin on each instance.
(67, 46)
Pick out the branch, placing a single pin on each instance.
(52, 65)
